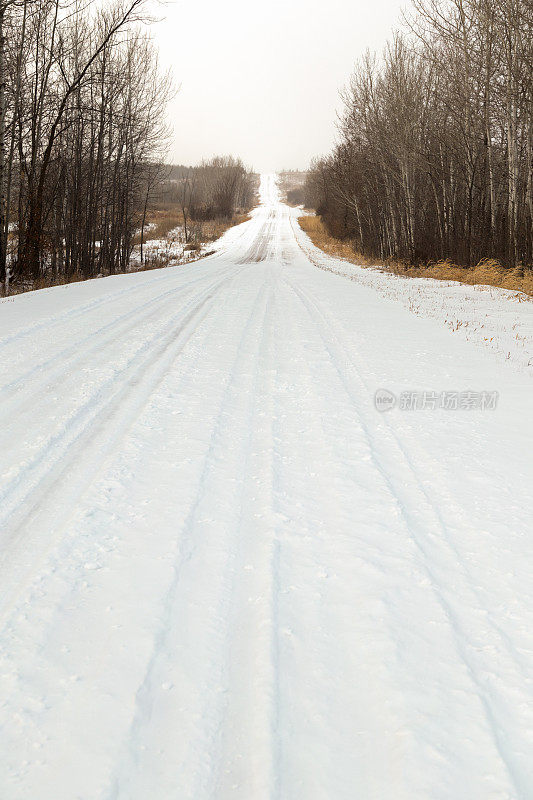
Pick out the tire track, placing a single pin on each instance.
(198, 774)
(38, 490)
(432, 542)
(67, 363)
(78, 311)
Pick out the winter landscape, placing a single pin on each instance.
(266, 508)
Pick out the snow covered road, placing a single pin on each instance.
(225, 574)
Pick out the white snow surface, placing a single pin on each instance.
(501, 319)
(224, 573)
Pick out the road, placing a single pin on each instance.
(225, 574)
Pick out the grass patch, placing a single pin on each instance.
(164, 220)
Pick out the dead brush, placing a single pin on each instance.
(164, 219)
(154, 262)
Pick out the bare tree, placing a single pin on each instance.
(435, 151)
(87, 133)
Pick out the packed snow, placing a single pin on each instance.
(224, 573)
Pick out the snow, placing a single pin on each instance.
(224, 573)
(170, 249)
(500, 319)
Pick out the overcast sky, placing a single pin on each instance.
(261, 79)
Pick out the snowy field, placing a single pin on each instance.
(169, 249)
(224, 573)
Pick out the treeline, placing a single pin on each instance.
(292, 184)
(82, 128)
(218, 188)
(435, 156)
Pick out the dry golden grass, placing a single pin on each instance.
(317, 232)
(166, 219)
(488, 272)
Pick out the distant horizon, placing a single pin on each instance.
(267, 86)
(175, 165)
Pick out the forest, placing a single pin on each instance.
(82, 119)
(83, 142)
(435, 149)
